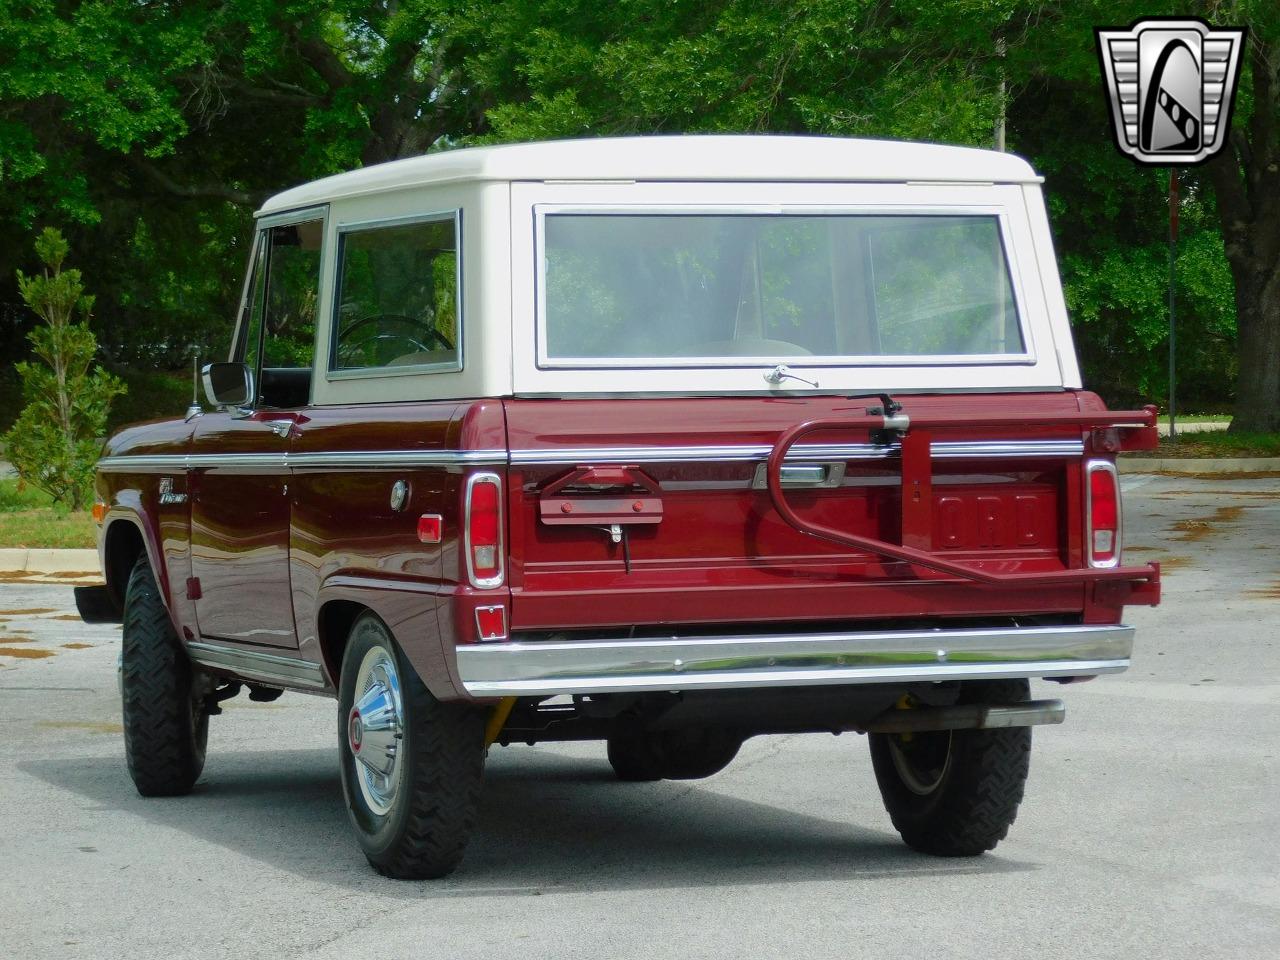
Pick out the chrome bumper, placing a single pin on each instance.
(710, 663)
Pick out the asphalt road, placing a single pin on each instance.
(1149, 828)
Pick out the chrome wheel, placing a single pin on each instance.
(375, 730)
(921, 760)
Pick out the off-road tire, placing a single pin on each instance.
(166, 728)
(694, 753)
(425, 832)
(971, 807)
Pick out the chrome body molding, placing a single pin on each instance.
(548, 668)
(572, 456)
(941, 450)
(359, 460)
(268, 668)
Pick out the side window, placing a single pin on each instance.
(278, 332)
(397, 300)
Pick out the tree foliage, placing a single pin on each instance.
(151, 130)
(56, 440)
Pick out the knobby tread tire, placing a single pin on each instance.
(970, 811)
(165, 735)
(425, 834)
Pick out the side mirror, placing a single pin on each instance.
(228, 384)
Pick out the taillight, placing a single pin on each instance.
(1102, 539)
(484, 530)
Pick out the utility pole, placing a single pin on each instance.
(1173, 329)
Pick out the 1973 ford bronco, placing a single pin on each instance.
(666, 442)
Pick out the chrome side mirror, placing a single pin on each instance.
(228, 384)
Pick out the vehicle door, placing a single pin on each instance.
(240, 477)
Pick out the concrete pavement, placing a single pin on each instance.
(1150, 827)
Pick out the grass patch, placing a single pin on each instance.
(1197, 418)
(1216, 444)
(29, 518)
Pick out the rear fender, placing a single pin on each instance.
(409, 609)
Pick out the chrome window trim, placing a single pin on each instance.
(1090, 468)
(273, 668)
(496, 580)
(548, 668)
(1027, 357)
(362, 373)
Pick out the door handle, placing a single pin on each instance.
(281, 428)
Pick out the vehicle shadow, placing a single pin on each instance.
(548, 823)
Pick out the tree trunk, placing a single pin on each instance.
(1246, 184)
(1257, 406)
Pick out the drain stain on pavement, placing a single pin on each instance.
(1199, 528)
(18, 638)
(27, 611)
(77, 646)
(1267, 593)
(65, 616)
(27, 653)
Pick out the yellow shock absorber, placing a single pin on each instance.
(498, 720)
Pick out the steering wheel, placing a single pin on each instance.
(436, 340)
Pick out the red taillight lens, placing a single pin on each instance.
(484, 530)
(1104, 515)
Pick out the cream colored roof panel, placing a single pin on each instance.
(680, 158)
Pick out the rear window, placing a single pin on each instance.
(397, 299)
(672, 288)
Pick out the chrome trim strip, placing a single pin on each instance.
(353, 460)
(547, 668)
(268, 667)
(942, 450)
(572, 456)
(396, 458)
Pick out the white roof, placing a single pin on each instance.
(679, 158)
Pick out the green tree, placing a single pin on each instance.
(55, 441)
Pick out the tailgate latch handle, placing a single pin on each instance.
(601, 497)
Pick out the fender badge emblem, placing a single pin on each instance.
(166, 492)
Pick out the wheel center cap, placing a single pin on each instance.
(355, 731)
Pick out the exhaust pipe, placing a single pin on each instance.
(973, 716)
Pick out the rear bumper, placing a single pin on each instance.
(707, 663)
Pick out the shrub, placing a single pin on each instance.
(54, 442)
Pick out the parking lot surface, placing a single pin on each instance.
(1150, 826)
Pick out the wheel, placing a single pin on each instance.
(166, 727)
(411, 765)
(693, 753)
(955, 793)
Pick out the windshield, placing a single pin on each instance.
(696, 287)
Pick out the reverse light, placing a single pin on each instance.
(484, 530)
(491, 623)
(1102, 507)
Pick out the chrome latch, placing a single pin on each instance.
(783, 372)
